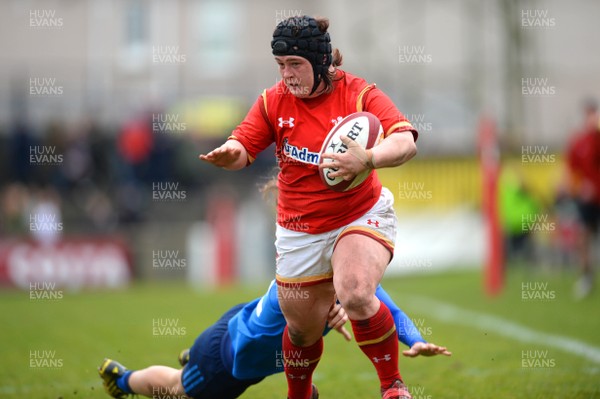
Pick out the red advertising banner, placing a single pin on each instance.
(70, 263)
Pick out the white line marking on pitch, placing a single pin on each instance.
(504, 327)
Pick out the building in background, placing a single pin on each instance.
(525, 63)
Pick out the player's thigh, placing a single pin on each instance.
(363, 250)
(304, 282)
(359, 263)
(305, 308)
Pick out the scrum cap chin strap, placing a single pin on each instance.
(301, 36)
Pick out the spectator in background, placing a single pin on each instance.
(583, 177)
(517, 203)
(567, 228)
(13, 210)
(20, 141)
(134, 144)
(76, 167)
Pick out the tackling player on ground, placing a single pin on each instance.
(347, 239)
(239, 350)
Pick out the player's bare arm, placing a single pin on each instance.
(397, 149)
(231, 156)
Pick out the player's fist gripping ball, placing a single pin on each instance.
(362, 127)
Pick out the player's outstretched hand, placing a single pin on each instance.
(336, 319)
(426, 349)
(222, 156)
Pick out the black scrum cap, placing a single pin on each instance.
(301, 36)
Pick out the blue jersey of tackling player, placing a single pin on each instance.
(255, 335)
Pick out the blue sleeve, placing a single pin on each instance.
(408, 334)
(255, 333)
(263, 316)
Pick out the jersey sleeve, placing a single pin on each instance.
(267, 316)
(255, 334)
(408, 334)
(255, 132)
(392, 120)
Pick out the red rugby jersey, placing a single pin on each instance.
(583, 160)
(298, 127)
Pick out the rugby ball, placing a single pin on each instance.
(362, 127)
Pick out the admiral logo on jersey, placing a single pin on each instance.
(300, 154)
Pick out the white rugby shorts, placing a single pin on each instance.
(305, 259)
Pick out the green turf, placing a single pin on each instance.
(79, 329)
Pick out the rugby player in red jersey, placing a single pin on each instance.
(344, 240)
(583, 164)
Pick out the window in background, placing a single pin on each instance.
(133, 54)
(216, 32)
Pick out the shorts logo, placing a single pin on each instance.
(285, 122)
(372, 222)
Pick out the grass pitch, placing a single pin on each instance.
(51, 347)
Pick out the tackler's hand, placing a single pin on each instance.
(337, 318)
(426, 349)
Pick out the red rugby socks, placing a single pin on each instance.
(299, 364)
(376, 337)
